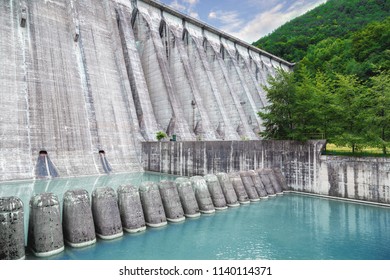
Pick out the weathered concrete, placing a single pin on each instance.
(296, 160)
(265, 179)
(239, 188)
(11, 229)
(45, 168)
(258, 184)
(130, 208)
(276, 184)
(280, 183)
(113, 74)
(171, 201)
(216, 192)
(78, 225)
(187, 197)
(202, 195)
(106, 214)
(116, 71)
(45, 235)
(228, 189)
(152, 205)
(249, 186)
(356, 178)
(296, 166)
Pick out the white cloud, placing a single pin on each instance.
(194, 14)
(186, 6)
(191, 2)
(177, 6)
(212, 15)
(266, 22)
(230, 20)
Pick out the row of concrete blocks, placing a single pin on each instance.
(130, 209)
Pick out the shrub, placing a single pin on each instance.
(161, 135)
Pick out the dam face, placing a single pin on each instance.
(84, 83)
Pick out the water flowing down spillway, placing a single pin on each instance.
(81, 77)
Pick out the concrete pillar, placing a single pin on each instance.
(259, 186)
(202, 195)
(152, 205)
(130, 208)
(239, 188)
(187, 197)
(106, 213)
(171, 201)
(78, 226)
(281, 179)
(45, 236)
(227, 189)
(275, 182)
(265, 178)
(11, 229)
(249, 186)
(216, 193)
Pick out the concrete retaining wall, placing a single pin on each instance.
(301, 163)
(356, 178)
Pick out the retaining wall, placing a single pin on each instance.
(301, 163)
(365, 178)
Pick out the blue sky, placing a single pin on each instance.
(245, 19)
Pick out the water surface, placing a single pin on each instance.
(292, 226)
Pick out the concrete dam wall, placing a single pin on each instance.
(83, 83)
(301, 163)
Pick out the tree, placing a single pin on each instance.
(307, 111)
(352, 113)
(278, 116)
(335, 18)
(316, 103)
(380, 110)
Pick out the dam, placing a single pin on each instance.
(84, 83)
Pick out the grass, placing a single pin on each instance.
(332, 149)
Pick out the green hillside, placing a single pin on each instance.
(335, 18)
(340, 88)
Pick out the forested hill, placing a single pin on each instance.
(340, 86)
(333, 19)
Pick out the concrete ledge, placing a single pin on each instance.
(48, 254)
(178, 220)
(134, 230)
(197, 215)
(157, 225)
(80, 245)
(234, 205)
(109, 237)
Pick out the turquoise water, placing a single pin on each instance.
(291, 226)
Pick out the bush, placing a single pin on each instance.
(161, 135)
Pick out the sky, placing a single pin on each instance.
(248, 20)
